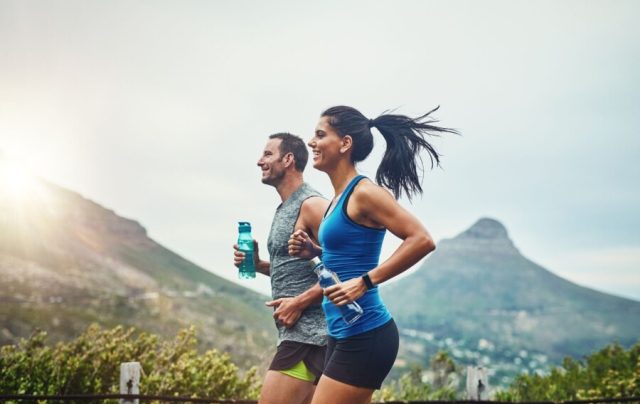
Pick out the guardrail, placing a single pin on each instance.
(130, 398)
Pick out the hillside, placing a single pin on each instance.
(66, 261)
(480, 298)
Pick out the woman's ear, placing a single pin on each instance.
(347, 143)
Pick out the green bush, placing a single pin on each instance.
(612, 372)
(90, 364)
(413, 386)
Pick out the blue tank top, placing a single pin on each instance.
(351, 249)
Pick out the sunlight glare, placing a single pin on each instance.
(15, 180)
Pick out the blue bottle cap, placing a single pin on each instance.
(244, 226)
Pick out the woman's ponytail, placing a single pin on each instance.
(405, 138)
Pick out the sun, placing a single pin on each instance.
(16, 181)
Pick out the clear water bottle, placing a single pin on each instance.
(245, 244)
(351, 311)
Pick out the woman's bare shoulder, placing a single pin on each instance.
(368, 192)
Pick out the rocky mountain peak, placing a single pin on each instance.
(486, 228)
(483, 234)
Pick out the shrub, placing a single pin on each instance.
(90, 364)
(414, 386)
(612, 372)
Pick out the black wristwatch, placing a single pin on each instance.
(367, 281)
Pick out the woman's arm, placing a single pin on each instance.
(374, 206)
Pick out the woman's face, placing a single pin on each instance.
(325, 146)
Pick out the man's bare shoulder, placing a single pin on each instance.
(311, 213)
(313, 205)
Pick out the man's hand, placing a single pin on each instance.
(300, 245)
(238, 256)
(346, 292)
(287, 311)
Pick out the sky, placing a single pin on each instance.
(159, 110)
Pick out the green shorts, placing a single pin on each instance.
(300, 371)
(299, 360)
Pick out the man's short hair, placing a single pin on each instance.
(294, 145)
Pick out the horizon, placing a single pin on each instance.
(256, 285)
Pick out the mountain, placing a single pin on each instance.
(480, 298)
(66, 262)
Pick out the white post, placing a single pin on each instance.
(130, 380)
(477, 383)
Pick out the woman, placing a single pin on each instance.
(360, 356)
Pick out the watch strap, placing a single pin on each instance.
(367, 281)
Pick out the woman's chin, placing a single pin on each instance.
(318, 166)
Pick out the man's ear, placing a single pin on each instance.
(347, 143)
(288, 159)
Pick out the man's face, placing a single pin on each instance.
(271, 163)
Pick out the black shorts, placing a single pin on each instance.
(291, 352)
(363, 360)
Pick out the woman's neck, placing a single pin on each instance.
(341, 177)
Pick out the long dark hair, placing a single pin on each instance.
(405, 137)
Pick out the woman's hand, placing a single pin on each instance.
(346, 292)
(301, 245)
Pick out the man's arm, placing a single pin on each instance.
(289, 309)
(304, 242)
(263, 267)
(311, 213)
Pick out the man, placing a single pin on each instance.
(299, 360)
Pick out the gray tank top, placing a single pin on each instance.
(291, 276)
